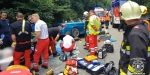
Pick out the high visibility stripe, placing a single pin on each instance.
(23, 26)
(148, 48)
(129, 73)
(128, 48)
(122, 44)
(125, 51)
(122, 73)
(130, 69)
(148, 54)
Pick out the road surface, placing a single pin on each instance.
(58, 66)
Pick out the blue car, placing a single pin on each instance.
(75, 28)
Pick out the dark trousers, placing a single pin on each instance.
(107, 23)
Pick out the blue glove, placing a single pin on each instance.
(87, 32)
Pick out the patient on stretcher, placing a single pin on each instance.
(68, 43)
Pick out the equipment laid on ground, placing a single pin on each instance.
(110, 69)
(102, 53)
(71, 67)
(95, 69)
(50, 72)
(109, 47)
(71, 64)
(16, 70)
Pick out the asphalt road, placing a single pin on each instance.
(58, 66)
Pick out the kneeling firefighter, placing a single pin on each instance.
(135, 47)
(144, 16)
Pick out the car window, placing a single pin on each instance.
(99, 13)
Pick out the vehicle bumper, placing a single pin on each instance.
(116, 21)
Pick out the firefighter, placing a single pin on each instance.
(107, 19)
(93, 29)
(21, 34)
(144, 16)
(54, 34)
(4, 29)
(134, 52)
(85, 14)
(42, 45)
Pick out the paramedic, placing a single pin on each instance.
(68, 43)
(93, 28)
(134, 53)
(4, 29)
(21, 33)
(107, 19)
(54, 34)
(41, 30)
(144, 16)
(34, 42)
(86, 14)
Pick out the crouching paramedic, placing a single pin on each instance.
(54, 34)
(21, 34)
(93, 28)
(135, 47)
(68, 43)
(41, 30)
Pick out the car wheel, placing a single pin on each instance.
(75, 32)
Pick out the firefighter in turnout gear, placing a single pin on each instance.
(144, 16)
(93, 31)
(86, 14)
(135, 47)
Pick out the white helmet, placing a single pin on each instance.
(130, 10)
(85, 13)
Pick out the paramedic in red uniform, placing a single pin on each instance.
(93, 28)
(41, 30)
(54, 34)
(68, 43)
(21, 34)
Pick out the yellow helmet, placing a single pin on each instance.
(143, 9)
(130, 10)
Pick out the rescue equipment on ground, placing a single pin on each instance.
(50, 72)
(16, 70)
(109, 46)
(102, 53)
(71, 65)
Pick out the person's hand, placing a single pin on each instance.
(55, 41)
(1, 41)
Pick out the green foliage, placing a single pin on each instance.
(51, 11)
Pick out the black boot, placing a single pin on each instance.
(45, 67)
(55, 54)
